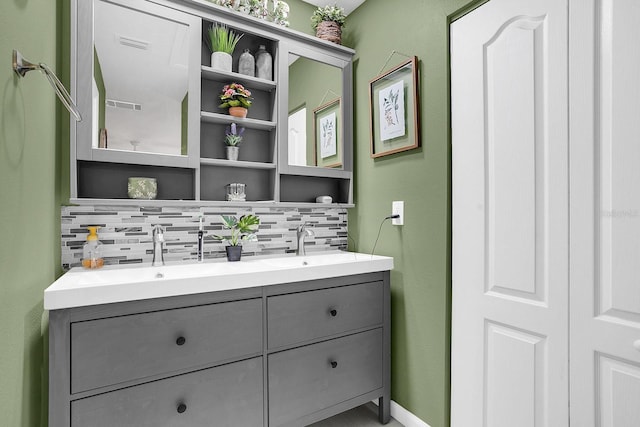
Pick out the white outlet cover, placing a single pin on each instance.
(397, 208)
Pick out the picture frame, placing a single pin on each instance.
(327, 131)
(394, 114)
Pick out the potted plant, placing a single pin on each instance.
(232, 140)
(328, 22)
(236, 98)
(222, 43)
(241, 229)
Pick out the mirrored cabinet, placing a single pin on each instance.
(144, 82)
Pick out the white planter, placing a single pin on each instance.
(232, 152)
(221, 61)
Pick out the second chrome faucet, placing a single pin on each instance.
(302, 232)
(158, 245)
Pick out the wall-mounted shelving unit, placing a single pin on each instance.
(100, 175)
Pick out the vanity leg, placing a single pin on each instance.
(384, 409)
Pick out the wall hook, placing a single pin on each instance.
(22, 66)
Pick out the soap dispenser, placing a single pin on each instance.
(92, 250)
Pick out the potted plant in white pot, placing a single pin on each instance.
(232, 139)
(222, 43)
(242, 229)
(328, 22)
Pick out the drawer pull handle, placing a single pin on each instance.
(181, 340)
(182, 408)
(334, 364)
(333, 312)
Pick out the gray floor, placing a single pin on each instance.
(362, 416)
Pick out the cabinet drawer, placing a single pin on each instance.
(228, 395)
(311, 378)
(113, 350)
(305, 316)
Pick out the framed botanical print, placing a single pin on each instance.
(393, 104)
(327, 131)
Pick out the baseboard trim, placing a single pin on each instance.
(404, 417)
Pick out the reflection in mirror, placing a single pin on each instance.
(140, 85)
(314, 91)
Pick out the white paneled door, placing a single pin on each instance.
(510, 217)
(605, 213)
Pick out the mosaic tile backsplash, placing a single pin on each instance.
(125, 231)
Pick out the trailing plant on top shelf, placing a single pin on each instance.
(328, 21)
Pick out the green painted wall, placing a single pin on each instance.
(30, 154)
(421, 280)
(184, 126)
(300, 16)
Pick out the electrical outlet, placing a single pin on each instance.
(397, 208)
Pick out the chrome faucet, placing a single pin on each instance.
(301, 233)
(158, 245)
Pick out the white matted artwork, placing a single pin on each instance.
(328, 142)
(391, 99)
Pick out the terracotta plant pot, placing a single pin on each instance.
(238, 112)
(234, 253)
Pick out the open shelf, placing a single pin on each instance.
(226, 119)
(248, 81)
(213, 180)
(237, 164)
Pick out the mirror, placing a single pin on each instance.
(315, 114)
(140, 81)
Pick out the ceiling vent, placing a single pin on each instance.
(124, 105)
(135, 43)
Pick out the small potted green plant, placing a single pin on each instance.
(232, 139)
(242, 229)
(222, 43)
(328, 22)
(236, 98)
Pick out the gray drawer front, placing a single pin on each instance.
(113, 350)
(305, 316)
(302, 381)
(228, 395)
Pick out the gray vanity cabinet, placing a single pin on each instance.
(279, 355)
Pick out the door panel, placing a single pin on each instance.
(619, 392)
(513, 81)
(515, 367)
(510, 219)
(605, 213)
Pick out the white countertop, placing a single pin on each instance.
(80, 287)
